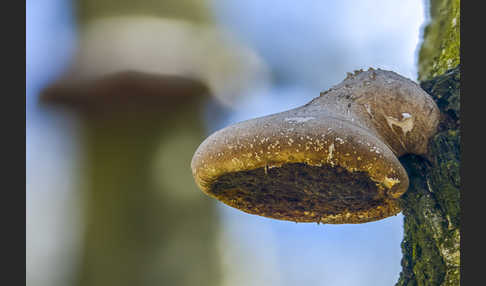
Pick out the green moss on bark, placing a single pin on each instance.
(431, 206)
(440, 50)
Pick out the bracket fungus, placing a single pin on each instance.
(333, 160)
(123, 91)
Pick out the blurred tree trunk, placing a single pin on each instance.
(145, 221)
(194, 11)
(431, 206)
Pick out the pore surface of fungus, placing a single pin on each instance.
(333, 160)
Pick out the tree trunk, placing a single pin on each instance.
(145, 221)
(431, 206)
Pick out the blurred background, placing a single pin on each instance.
(111, 201)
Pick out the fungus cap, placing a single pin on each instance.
(333, 160)
(169, 46)
(124, 90)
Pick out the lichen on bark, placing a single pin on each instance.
(431, 206)
(440, 49)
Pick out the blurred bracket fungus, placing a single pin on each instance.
(333, 160)
(170, 46)
(132, 224)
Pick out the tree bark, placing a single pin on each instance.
(431, 206)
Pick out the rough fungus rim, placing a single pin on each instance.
(303, 193)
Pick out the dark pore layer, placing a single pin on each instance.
(299, 192)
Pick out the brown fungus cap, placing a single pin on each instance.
(123, 91)
(333, 160)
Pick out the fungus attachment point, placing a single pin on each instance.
(333, 160)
